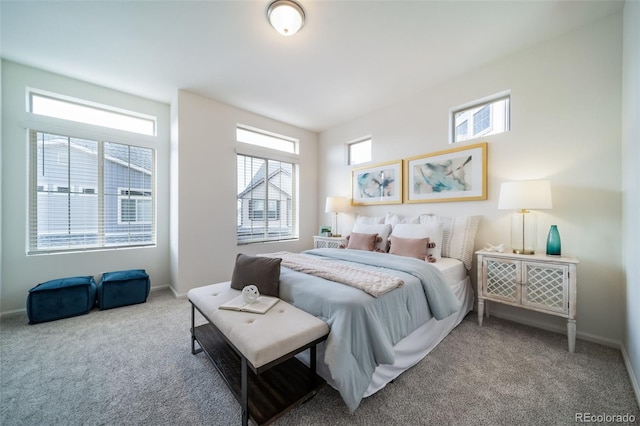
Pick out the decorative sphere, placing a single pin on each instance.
(250, 294)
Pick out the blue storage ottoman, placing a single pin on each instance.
(122, 288)
(61, 298)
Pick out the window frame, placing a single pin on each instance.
(471, 109)
(93, 106)
(262, 153)
(98, 191)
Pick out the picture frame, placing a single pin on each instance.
(377, 184)
(325, 231)
(458, 174)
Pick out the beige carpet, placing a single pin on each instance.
(133, 366)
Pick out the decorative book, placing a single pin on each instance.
(260, 306)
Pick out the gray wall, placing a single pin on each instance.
(21, 272)
(631, 185)
(565, 116)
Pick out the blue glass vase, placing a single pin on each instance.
(554, 246)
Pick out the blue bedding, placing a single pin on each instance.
(364, 329)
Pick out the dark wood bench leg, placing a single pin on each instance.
(193, 335)
(312, 361)
(244, 395)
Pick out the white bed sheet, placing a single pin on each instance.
(413, 348)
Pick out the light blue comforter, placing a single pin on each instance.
(364, 329)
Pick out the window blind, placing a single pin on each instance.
(87, 194)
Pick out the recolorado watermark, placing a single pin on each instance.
(604, 418)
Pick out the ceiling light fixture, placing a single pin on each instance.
(286, 16)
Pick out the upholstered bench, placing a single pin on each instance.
(261, 349)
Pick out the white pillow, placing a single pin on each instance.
(458, 236)
(381, 229)
(432, 230)
(394, 219)
(369, 220)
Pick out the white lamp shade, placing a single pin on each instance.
(336, 205)
(286, 16)
(525, 194)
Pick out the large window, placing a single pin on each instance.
(89, 194)
(481, 118)
(267, 182)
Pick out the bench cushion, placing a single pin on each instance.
(261, 338)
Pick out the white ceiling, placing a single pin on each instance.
(350, 58)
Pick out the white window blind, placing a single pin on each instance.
(267, 182)
(87, 194)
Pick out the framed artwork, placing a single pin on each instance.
(377, 184)
(458, 174)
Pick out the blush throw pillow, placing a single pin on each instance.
(263, 272)
(382, 230)
(409, 247)
(431, 230)
(365, 242)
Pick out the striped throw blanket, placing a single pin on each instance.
(375, 283)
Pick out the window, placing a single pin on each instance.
(88, 194)
(58, 106)
(481, 118)
(267, 208)
(359, 151)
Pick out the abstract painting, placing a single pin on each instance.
(377, 184)
(458, 174)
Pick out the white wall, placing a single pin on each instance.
(631, 185)
(203, 240)
(565, 120)
(21, 272)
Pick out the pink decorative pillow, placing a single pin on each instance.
(358, 241)
(410, 247)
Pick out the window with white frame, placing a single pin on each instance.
(88, 194)
(359, 151)
(481, 118)
(267, 183)
(66, 108)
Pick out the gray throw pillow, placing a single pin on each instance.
(263, 272)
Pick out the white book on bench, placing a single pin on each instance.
(260, 306)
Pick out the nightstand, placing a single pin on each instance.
(536, 282)
(328, 242)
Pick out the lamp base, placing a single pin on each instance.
(522, 251)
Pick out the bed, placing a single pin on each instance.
(375, 339)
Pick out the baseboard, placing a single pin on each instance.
(562, 330)
(632, 376)
(22, 311)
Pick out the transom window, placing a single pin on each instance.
(88, 194)
(481, 118)
(66, 108)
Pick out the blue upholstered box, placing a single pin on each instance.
(61, 298)
(122, 288)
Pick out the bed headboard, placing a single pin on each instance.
(458, 233)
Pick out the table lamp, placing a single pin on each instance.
(336, 205)
(524, 196)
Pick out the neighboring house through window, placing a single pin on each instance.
(484, 117)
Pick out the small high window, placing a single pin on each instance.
(360, 151)
(481, 118)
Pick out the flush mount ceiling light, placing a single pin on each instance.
(286, 16)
